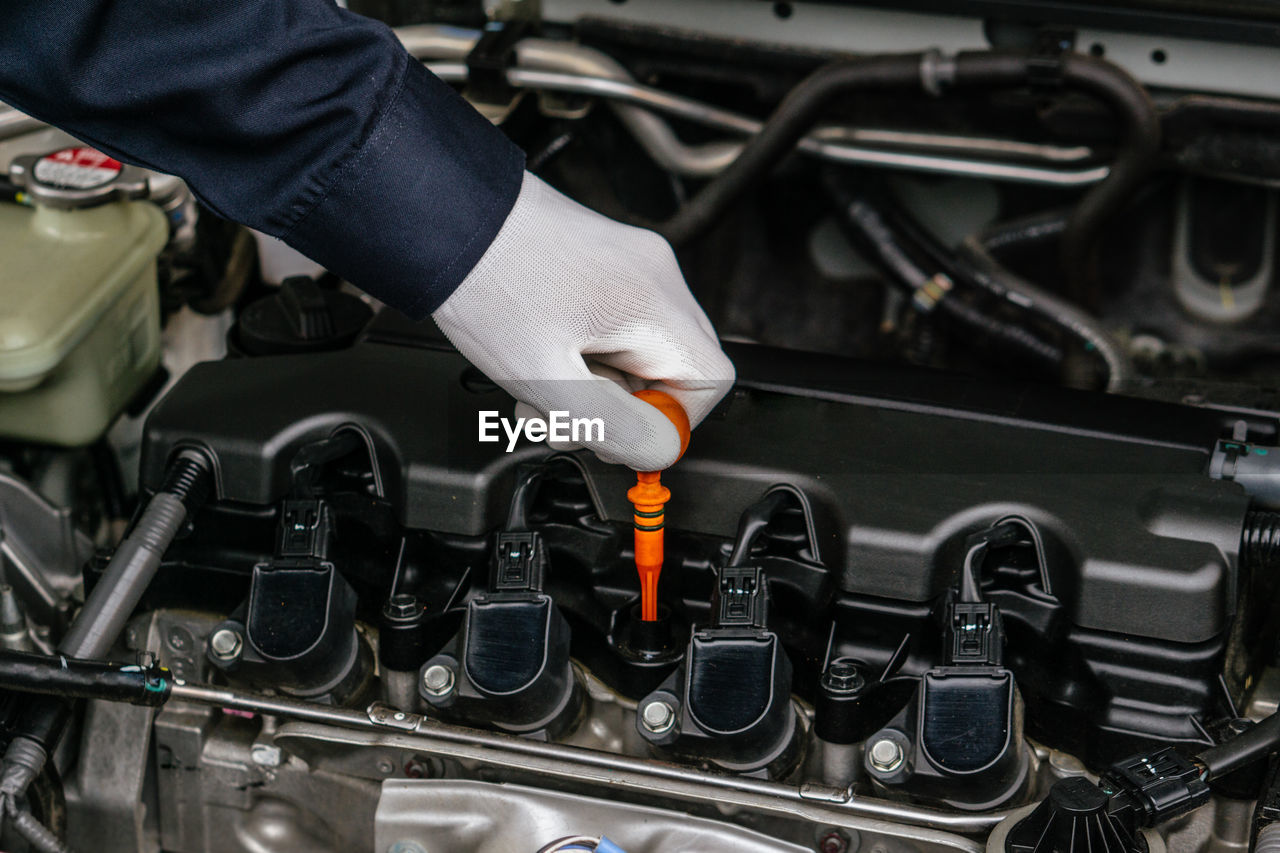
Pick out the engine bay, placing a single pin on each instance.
(979, 553)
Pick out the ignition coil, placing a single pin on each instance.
(509, 665)
(296, 632)
(730, 702)
(964, 723)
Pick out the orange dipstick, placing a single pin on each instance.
(650, 498)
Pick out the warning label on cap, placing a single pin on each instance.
(79, 168)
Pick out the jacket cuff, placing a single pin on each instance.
(408, 215)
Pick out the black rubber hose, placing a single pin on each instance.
(973, 265)
(69, 678)
(1024, 231)
(793, 118)
(528, 481)
(897, 257)
(983, 325)
(1139, 145)
(978, 266)
(753, 521)
(1252, 745)
(805, 104)
(1134, 162)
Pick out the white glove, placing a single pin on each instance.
(562, 291)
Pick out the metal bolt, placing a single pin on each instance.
(386, 766)
(843, 676)
(886, 755)
(266, 755)
(658, 717)
(402, 607)
(437, 680)
(226, 644)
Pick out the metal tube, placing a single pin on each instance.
(584, 70)
(417, 732)
(700, 165)
(560, 66)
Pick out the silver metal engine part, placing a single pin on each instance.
(220, 770)
(448, 816)
(41, 550)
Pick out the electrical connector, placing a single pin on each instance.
(975, 634)
(739, 599)
(519, 562)
(1152, 788)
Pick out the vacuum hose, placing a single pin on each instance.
(805, 104)
(896, 253)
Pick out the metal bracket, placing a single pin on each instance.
(387, 717)
(495, 52)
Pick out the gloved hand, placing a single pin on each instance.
(563, 292)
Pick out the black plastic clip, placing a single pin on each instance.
(1044, 67)
(1152, 788)
(975, 634)
(739, 600)
(304, 530)
(487, 63)
(518, 564)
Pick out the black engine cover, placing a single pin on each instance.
(1125, 631)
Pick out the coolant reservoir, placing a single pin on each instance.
(79, 314)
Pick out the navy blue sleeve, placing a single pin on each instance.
(294, 117)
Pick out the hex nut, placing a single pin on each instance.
(658, 717)
(885, 755)
(843, 676)
(438, 680)
(226, 644)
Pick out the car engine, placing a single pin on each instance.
(981, 552)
